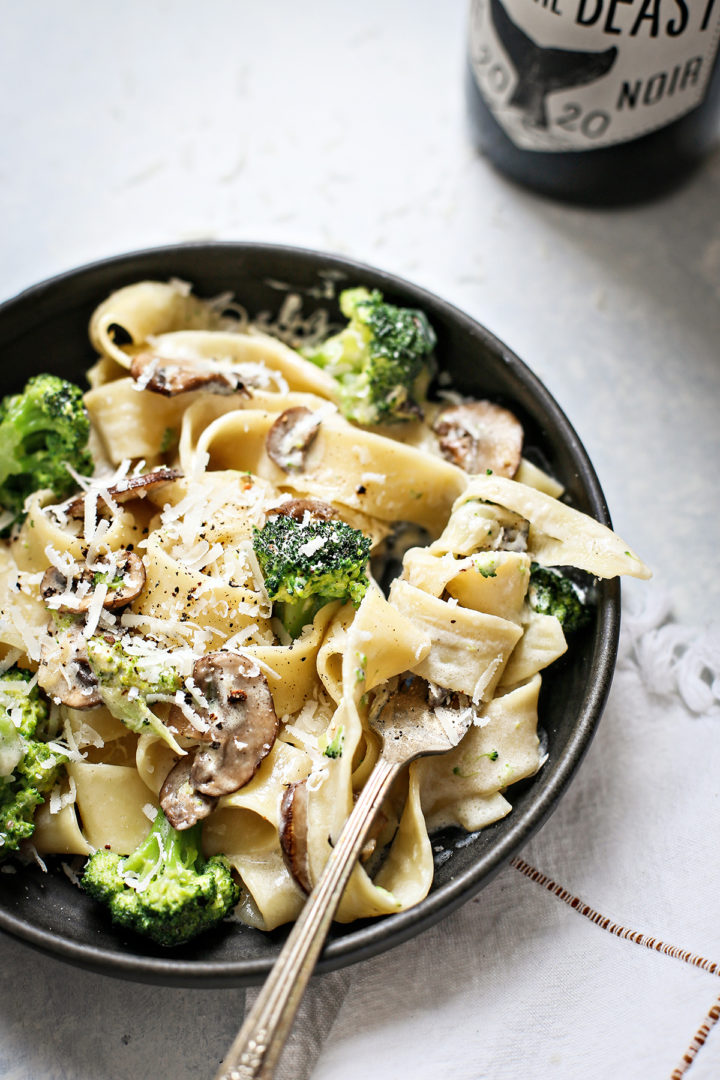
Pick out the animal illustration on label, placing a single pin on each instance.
(542, 70)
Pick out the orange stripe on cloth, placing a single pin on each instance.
(711, 966)
(698, 1042)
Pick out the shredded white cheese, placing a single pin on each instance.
(93, 613)
(59, 798)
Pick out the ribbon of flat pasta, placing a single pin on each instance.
(129, 316)
(42, 530)
(543, 642)
(246, 826)
(206, 408)
(179, 325)
(134, 423)
(346, 465)
(493, 582)
(472, 602)
(464, 787)
(173, 592)
(24, 618)
(97, 734)
(559, 535)
(138, 424)
(58, 832)
(198, 560)
(469, 649)
(267, 363)
(357, 656)
(114, 804)
(291, 670)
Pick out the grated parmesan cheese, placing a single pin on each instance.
(242, 637)
(312, 545)
(10, 658)
(32, 636)
(93, 613)
(70, 873)
(90, 518)
(199, 464)
(60, 799)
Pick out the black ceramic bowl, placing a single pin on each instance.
(45, 328)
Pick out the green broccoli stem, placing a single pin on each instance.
(295, 615)
(165, 846)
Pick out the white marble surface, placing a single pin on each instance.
(342, 127)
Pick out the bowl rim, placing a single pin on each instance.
(371, 937)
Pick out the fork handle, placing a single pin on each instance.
(259, 1043)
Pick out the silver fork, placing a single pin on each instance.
(410, 726)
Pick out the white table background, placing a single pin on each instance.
(342, 127)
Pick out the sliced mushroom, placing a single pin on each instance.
(243, 723)
(180, 724)
(479, 435)
(182, 804)
(64, 672)
(132, 487)
(294, 832)
(293, 835)
(290, 438)
(171, 377)
(74, 592)
(298, 508)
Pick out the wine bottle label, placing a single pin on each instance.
(578, 74)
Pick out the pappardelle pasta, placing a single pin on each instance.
(203, 623)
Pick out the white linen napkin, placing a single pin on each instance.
(596, 952)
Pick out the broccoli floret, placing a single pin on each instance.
(165, 889)
(378, 358)
(29, 769)
(127, 680)
(42, 431)
(306, 564)
(552, 593)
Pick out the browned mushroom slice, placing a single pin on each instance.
(64, 672)
(298, 508)
(169, 377)
(294, 832)
(180, 724)
(479, 435)
(290, 438)
(243, 723)
(132, 487)
(74, 592)
(182, 804)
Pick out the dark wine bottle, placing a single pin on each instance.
(600, 102)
